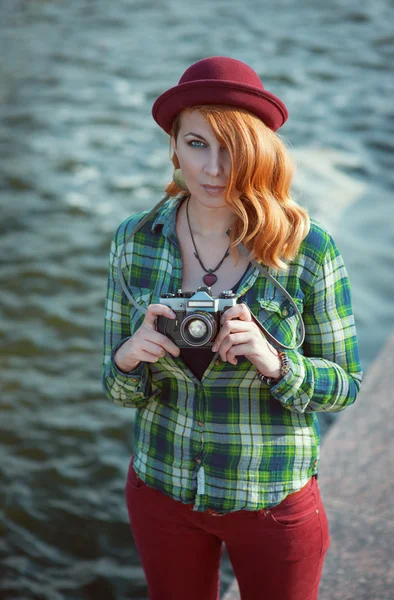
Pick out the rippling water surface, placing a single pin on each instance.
(80, 152)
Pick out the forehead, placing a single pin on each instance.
(191, 120)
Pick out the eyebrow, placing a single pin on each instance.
(195, 135)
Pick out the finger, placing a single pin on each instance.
(155, 349)
(230, 356)
(154, 310)
(231, 359)
(165, 342)
(232, 341)
(239, 311)
(148, 357)
(239, 350)
(232, 327)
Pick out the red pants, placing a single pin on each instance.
(276, 554)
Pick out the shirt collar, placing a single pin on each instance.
(166, 216)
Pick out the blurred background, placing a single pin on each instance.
(79, 153)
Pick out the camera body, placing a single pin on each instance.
(198, 316)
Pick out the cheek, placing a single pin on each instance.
(190, 166)
(227, 164)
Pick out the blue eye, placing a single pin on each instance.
(193, 142)
(200, 144)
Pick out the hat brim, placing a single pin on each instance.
(265, 105)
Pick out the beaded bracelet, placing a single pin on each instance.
(284, 369)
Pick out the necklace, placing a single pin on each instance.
(209, 277)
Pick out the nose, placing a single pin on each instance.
(214, 165)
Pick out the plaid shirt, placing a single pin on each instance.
(230, 442)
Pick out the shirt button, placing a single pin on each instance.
(198, 460)
(200, 423)
(285, 312)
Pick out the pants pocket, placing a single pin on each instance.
(297, 509)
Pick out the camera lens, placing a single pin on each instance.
(197, 329)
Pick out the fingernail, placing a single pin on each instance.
(214, 348)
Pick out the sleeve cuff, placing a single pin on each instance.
(289, 384)
(135, 383)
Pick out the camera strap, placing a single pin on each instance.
(263, 271)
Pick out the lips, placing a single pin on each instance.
(214, 187)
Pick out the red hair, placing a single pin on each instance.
(270, 224)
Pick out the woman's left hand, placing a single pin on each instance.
(239, 335)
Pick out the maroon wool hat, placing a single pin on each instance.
(220, 80)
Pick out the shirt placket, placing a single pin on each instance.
(198, 448)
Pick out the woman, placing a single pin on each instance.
(226, 435)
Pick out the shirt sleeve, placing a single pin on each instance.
(327, 376)
(126, 389)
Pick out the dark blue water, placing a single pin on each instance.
(80, 152)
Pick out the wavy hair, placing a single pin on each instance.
(269, 223)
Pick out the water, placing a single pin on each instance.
(79, 153)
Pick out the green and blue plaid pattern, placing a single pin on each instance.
(229, 442)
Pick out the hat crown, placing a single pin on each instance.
(222, 68)
(220, 80)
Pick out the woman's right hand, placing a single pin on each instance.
(146, 344)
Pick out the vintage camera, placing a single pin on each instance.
(198, 316)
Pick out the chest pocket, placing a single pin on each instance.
(142, 297)
(279, 317)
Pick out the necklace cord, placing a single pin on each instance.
(195, 248)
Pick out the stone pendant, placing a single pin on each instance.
(209, 279)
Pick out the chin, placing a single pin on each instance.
(209, 202)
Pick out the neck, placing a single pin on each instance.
(209, 222)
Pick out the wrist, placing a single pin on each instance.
(269, 366)
(124, 365)
(276, 376)
(127, 368)
(276, 371)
